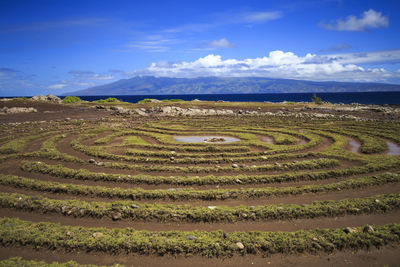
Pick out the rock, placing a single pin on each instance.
(191, 237)
(64, 209)
(97, 235)
(91, 161)
(172, 158)
(240, 245)
(100, 107)
(100, 163)
(166, 110)
(368, 228)
(140, 112)
(214, 140)
(349, 230)
(116, 216)
(153, 100)
(15, 110)
(235, 166)
(134, 206)
(70, 234)
(120, 110)
(48, 98)
(212, 207)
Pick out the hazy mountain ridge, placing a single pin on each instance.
(149, 85)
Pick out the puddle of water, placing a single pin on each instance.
(201, 139)
(354, 146)
(393, 149)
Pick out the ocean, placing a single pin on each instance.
(390, 98)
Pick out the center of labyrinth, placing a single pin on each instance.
(249, 186)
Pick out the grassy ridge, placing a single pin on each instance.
(212, 244)
(187, 213)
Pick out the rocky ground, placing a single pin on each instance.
(46, 118)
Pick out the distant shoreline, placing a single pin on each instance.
(378, 98)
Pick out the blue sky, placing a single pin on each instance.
(61, 46)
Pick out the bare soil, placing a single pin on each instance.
(54, 114)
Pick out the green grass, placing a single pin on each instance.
(14, 232)
(134, 140)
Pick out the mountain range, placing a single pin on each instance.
(149, 85)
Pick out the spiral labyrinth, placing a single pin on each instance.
(204, 186)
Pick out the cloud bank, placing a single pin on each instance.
(370, 19)
(280, 64)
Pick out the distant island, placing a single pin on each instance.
(150, 85)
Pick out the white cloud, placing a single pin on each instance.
(57, 86)
(90, 75)
(221, 43)
(369, 19)
(260, 17)
(279, 64)
(154, 43)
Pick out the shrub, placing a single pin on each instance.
(108, 100)
(71, 99)
(317, 100)
(146, 100)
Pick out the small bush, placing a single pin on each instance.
(71, 99)
(317, 100)
(108, 100)
(146, 100)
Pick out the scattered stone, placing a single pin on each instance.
(191, 237)
(97, 235)
(214, 140)
(134, 206)
(235, 166)
(91, 161)
(349, 230)
(116, 216)
(14, 110)
(47, 98)
(368, 228)
(212, 207)
(70, 234)
(240, 245)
